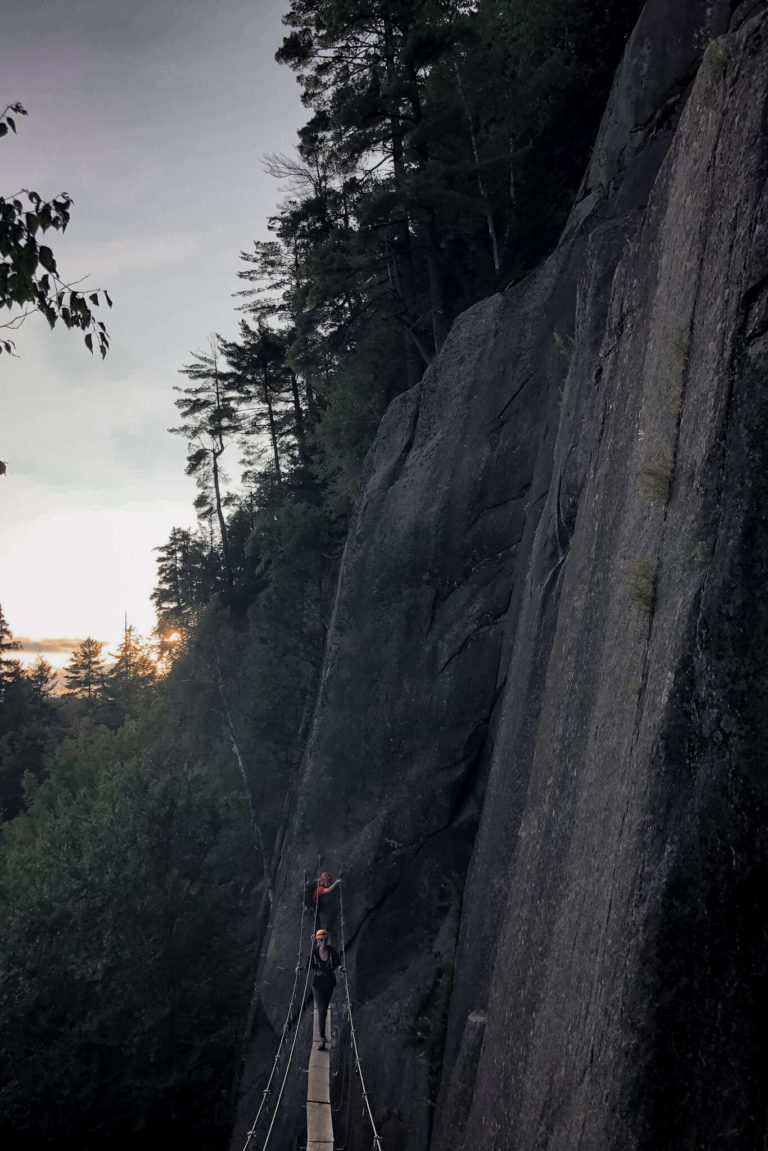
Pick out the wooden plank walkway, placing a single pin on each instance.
(319, 1122)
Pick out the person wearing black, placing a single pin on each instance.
(325, 960)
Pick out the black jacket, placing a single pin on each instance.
(323, 971)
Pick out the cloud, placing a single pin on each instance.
(47, 646)
(163, 164)
(57, 653)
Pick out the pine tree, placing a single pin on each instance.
(364, 69)
(7, 642)
(187, 577)
(29, 726)
(85, 671)
(41, 678)
(210, 421)
(129, 679)
(268, 395)
(8, 667)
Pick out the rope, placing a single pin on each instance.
(358, 1065)
(266, 1093)
(296, 1030)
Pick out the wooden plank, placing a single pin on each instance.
(319, 1121)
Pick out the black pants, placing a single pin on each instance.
(322, 992)
(327, 913)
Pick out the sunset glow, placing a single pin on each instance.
(88, 593)
(94, 482)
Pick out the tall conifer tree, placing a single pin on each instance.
(210, 421)
(84, 673)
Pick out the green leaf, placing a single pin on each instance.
(3, 129)
(89, 343)
(94, 297)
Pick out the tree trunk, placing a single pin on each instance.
(311, 402)
(298, 418)
(215, 453)
(412, 372)
(428, 228)
(478, 172)
(436, 302)
(255, 827)
(272, 426)
(403, 255)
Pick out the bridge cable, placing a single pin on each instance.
(358, 1066)
(296, 1031)
(286, 1026)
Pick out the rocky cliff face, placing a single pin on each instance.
(538, 747)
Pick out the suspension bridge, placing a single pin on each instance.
(321, 1133)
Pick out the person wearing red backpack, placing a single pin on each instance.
(324, 886)
(316, 899)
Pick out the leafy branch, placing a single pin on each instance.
(29, 274)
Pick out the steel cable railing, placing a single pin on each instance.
(358, 1066)
(286, 1027)
(296, 1031)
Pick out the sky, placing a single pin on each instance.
(155, 116)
